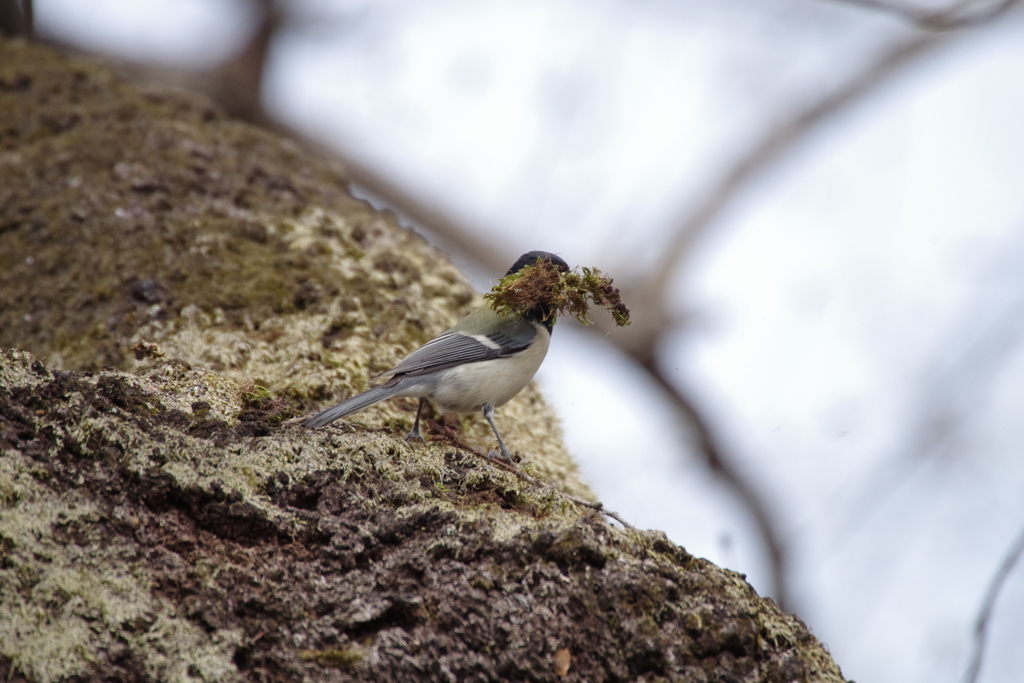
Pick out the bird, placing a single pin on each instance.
(480, 363)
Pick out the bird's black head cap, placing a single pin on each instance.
(531, 257)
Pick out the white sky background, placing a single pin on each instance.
(856, 316)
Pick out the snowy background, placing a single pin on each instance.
(850, 322)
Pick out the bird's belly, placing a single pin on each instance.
(467, 387)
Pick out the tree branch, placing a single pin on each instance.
(642, 344)
(988, 605)
(958, 15)
(772, 145)
(447, 434)
(16, 18)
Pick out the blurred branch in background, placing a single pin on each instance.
(988, 606)
(654, 292)
(236, 85)
(797, 127)
(708, 445)
(641, 344)
(16, 18)
(237, 82)
(958, 15)
(776, 142)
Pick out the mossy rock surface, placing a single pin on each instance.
(146, 541)
(179, 284)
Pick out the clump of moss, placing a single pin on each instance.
(561, 292)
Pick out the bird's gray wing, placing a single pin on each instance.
(457, 348)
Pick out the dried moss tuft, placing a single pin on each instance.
(561, 292)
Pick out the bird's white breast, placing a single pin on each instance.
(467, 387)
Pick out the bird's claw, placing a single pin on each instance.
(414, 435)
(502, 457)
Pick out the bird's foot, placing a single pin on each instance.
(414, 435)
(503, 457)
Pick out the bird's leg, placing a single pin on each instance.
(488, 410)
(414, 433)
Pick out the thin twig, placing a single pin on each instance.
(988, 605)
(451, 437)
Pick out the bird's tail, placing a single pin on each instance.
(367, 398)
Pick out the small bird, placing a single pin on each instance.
(479, 364)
